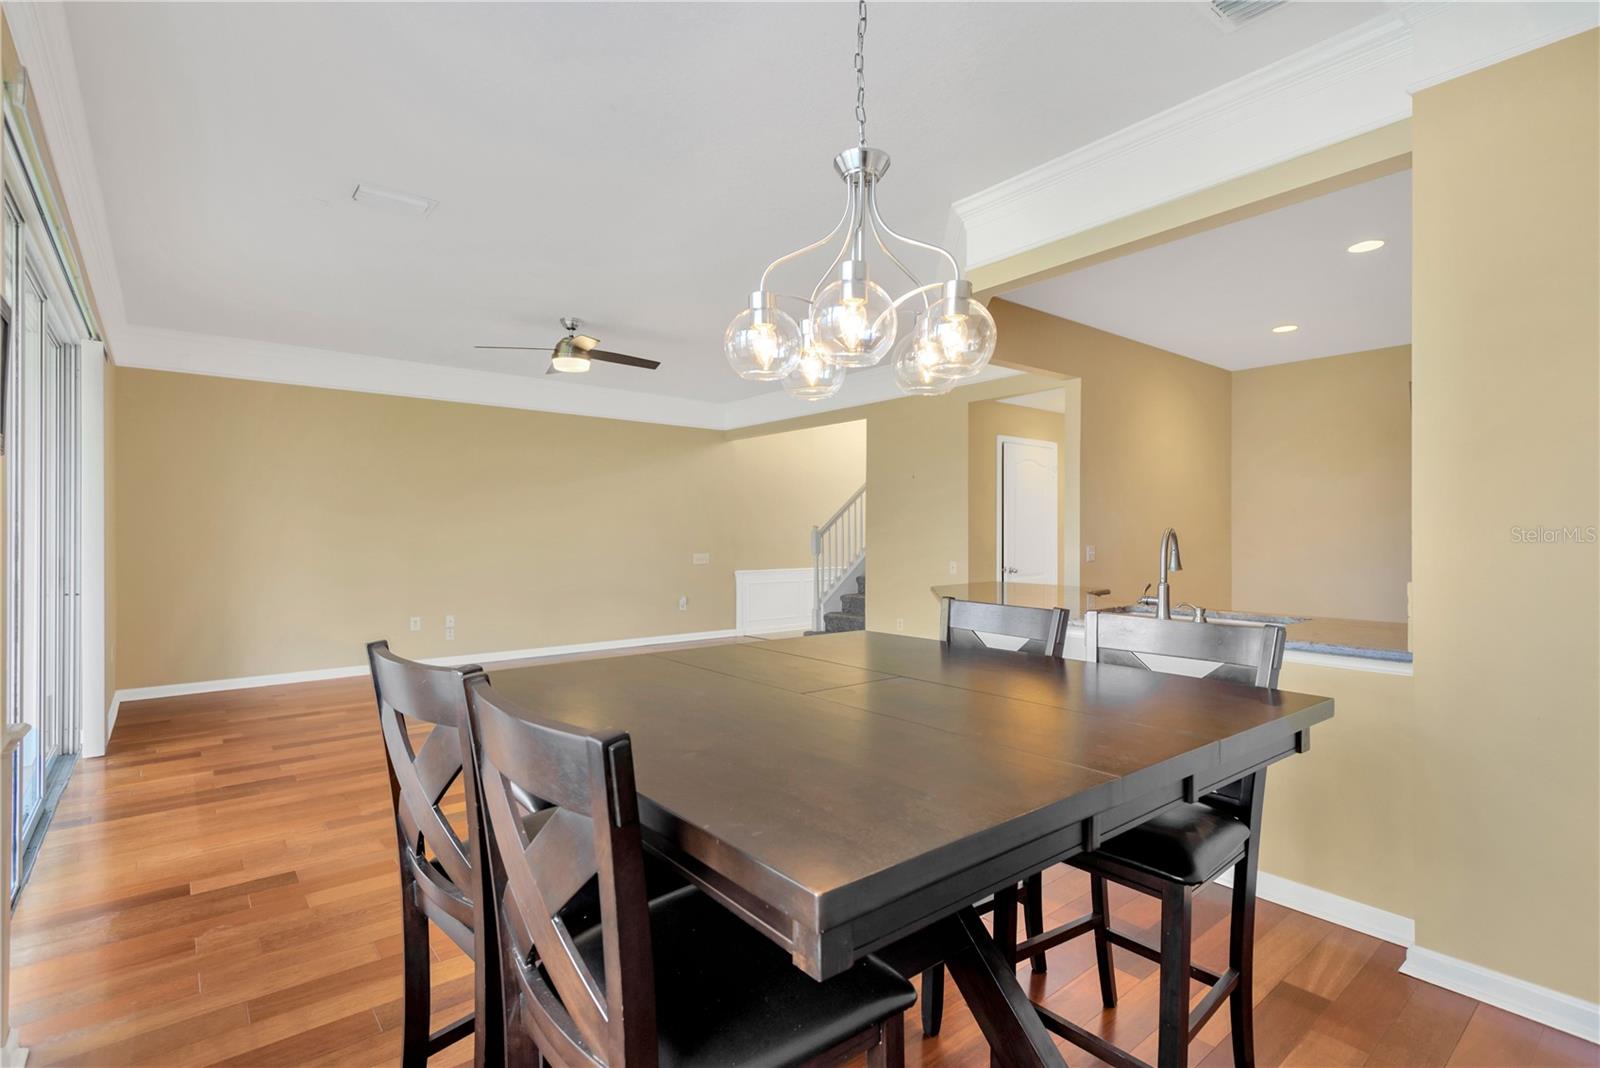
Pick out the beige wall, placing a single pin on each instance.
(1506, 365)
(264, 528)
(1322, 486)
(987, 421)
(1154, 444)
(1339, 817)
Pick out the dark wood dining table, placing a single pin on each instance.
(853, 794)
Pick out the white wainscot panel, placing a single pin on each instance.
(774, 600)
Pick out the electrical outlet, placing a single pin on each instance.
(416, 622)
(953, 568)
(683, 603)
(1088, 554)
(449, 622)
(701, 558)
(900, 624)
(449, 634)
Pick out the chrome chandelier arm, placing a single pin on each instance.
(878, 223)
(915, 292)
(849, 212)
(859, 199)
(915, 281)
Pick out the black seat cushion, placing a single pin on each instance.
(1186, 843)
(725, 995)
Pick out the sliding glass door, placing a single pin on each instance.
(42, 508)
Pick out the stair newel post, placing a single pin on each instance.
(816, 585)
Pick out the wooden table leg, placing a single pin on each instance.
(987, 979)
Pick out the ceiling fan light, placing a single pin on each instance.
(569, 358)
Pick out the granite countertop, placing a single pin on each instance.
(1077, 599)
(1364, 638)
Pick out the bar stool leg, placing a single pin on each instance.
(1176, 923)
(418, 993)
(1241, 958)
(932, 1000)
(1033, 915)
(1102, 945)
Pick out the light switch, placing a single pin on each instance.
(416, 622)
(450, 622)
(1088, 554)
(953, 568)
(702, 558)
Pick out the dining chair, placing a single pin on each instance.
(440, 880)
(1185, 846)
(962, 624)
(677, 981)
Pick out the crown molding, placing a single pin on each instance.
(44, 45)
(184, 352)
(1341, 88)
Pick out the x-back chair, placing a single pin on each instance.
(677, 980)
(440, 879)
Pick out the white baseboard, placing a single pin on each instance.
(774, 600)
(179, 689)
(1344, 911)
(1538, 1003)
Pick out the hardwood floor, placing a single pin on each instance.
(221, 889)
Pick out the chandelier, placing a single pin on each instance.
(934, 334)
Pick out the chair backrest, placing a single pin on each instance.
(1246, 653)
(562, 815)
(1041, 629)
(442, 863)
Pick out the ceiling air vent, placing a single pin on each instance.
(1231, 14)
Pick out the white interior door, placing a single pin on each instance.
(1029, 511)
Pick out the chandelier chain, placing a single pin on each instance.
(861, 72)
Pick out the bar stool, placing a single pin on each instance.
(1177, 851)
(1041, 631)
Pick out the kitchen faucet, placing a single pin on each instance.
(1170, 561)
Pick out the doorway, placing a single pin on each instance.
(1027, 511)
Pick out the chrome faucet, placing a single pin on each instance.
(1170, 561)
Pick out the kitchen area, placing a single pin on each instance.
(1232, 444)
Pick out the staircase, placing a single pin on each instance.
(839, 554)
(852, 614)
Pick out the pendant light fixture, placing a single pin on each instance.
(935, 334)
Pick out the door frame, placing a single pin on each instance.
(1000, 441)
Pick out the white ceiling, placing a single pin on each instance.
(633, 165)
(1215, 296)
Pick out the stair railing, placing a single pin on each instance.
(837, 546)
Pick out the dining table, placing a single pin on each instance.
(856, 793)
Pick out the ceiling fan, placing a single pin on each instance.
(573, 353)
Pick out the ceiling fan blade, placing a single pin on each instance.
(516, 348)
(583, 342)
(629, 361)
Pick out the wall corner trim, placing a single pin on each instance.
(1538, 1003)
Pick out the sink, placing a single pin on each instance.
(1238, 619)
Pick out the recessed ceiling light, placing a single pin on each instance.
(392, 200)
(1286, 328)
(1366, 246)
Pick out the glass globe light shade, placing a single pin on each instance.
(762, 344)
(816, 373)
(858, 330)
(919, 368)
(964, 332)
